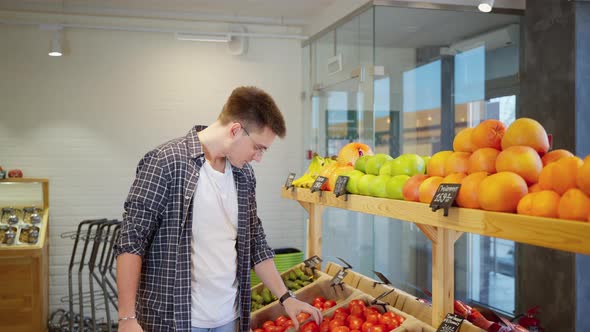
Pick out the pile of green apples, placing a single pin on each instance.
(381, 175)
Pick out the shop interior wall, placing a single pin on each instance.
(85, 119)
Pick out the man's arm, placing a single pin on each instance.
(128, 271)
(268, 274)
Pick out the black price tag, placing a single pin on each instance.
(445, 196)
(289, 182)
(337, 280)
(312, 262)
(383, 278)
(340, 186)
(319, 182)
(451, 323)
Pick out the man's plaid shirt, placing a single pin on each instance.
(157, 225)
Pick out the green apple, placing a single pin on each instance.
(361, 162)
(395, 186)
(408, 164)
(353, 178)
(378, 186)
(386, 168)
(426, 159)
(364, 184)
(375, 162)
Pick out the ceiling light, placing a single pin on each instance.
(485, 5)
(56, 44)
(203, 38)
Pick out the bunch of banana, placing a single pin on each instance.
(313, 170)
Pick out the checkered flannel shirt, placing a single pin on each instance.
(157, 225)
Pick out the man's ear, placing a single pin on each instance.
(234, 129)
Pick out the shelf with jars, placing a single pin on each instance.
(24, 254)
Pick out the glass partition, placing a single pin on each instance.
(405, 80)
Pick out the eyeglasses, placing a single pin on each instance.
(259, 148)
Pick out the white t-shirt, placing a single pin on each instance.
(213, 249)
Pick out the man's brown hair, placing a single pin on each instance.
(254, 109)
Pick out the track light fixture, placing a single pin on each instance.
(485, 5)
(56, 42)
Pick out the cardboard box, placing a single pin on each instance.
(352, 278)
(423, 312)
(317, 275)
(322, 287)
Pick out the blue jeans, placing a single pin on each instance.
(229, 327)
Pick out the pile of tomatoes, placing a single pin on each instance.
(282, 323)
(356, 317)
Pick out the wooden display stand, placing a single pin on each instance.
(444, 231)
(24, 274)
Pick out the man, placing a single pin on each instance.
(190, 232)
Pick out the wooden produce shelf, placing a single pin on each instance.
(443, 232)
(566, 235)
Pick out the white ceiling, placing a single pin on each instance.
(293, 12)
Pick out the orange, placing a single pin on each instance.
(527, 132)
(462, 141)
(539, 204)
(501, 192)
(436, 164)
(574, 205)
(457, 162)
(583, 177)
(560, 175)
(467, 196)
(587, 158)
(428, 188)
(454, 178)
(483, 160)
(410, 189)
(488, 134)
(535, 188)
(555, 155)
(522, 160)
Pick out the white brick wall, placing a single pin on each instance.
(85, 119)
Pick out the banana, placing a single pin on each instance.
(307, 179)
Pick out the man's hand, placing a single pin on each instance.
(293, 307)
(129, 326)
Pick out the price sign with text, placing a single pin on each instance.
(445, 197)
(318, 183)
(312, 261)
(337, 280)
(451, 323)
(340, 186)
(289, 181)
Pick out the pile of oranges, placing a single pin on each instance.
(510, 169)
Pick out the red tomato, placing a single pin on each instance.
(367, 326)
(400, 319)
(288, 323)
(268, 323)
(355, 331)
(341, 329)
(258, 330)
(340, 315)
(281, 320)
(372, 318)
(319, 306)
(329, 304)
(357, 302)
(356, 309)
(310, 327)
(320, 298)
(355, 322)
(325, 325)
(343, 310)
(371, 311)
(378, 328)
(335, 323)
(302, 316)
